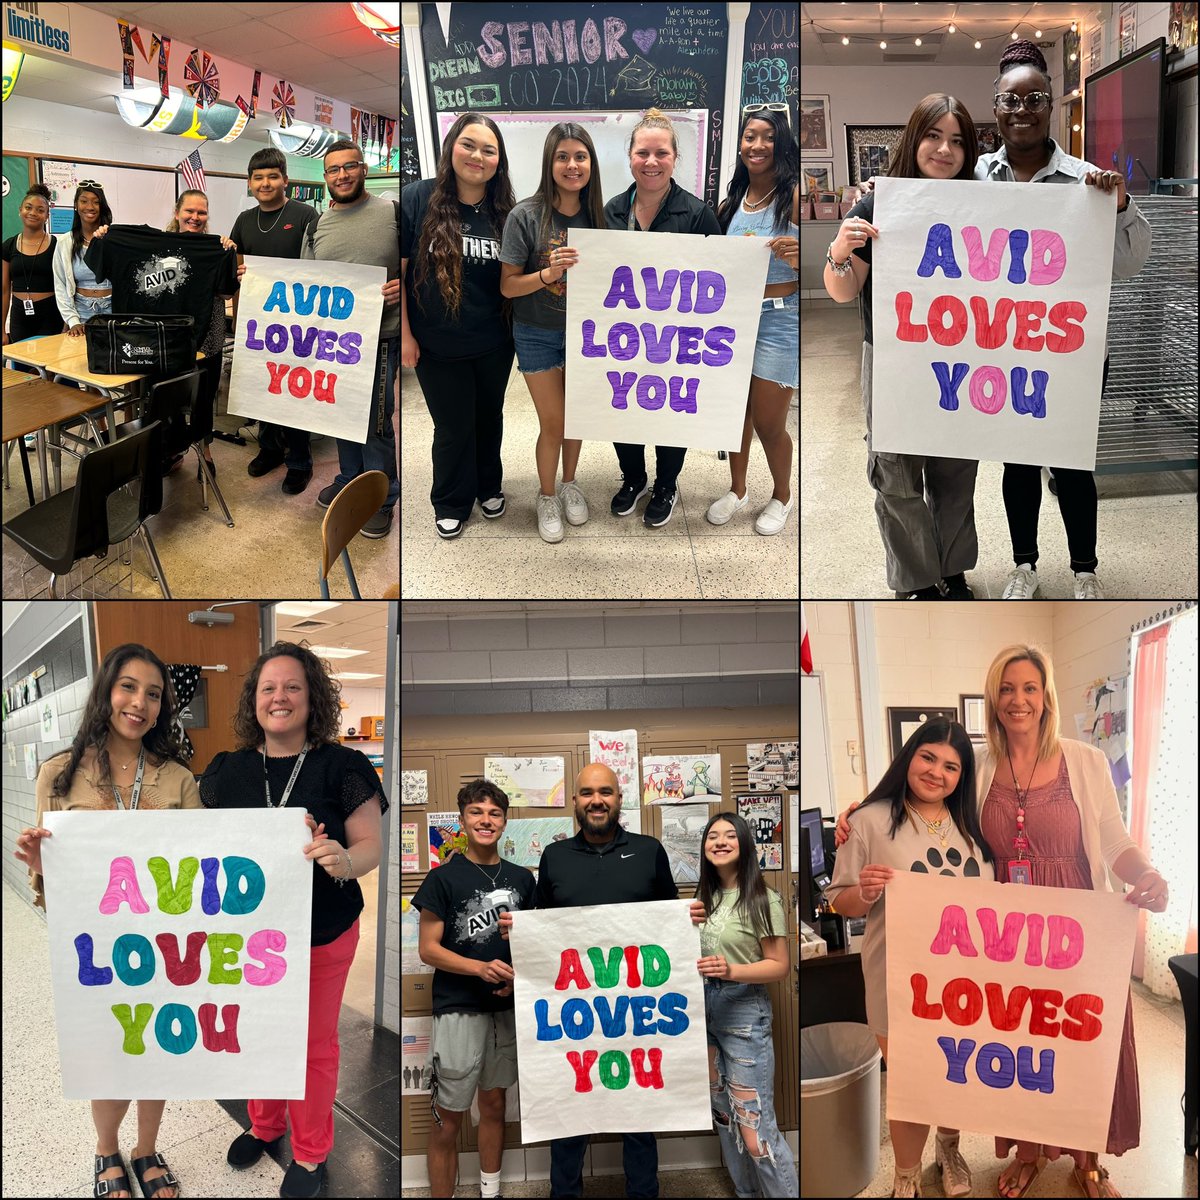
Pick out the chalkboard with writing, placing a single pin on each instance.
(771, 58)
(618, 57)
(410, 163)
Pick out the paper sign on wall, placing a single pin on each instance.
(179, 950)
(990, 310)
(304, 350)
(610, 1020)
(1006, 1005)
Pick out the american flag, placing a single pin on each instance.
(193, 171)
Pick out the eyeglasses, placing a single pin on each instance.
(760, 107)
(349, 168)
(1009, 102)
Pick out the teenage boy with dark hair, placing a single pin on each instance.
(275, 229)
(474, 1039)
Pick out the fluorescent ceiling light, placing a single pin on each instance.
(305, 608)
(335, 652)
(355, 675)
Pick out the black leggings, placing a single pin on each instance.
(1076, 501)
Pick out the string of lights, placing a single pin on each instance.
(951, 28)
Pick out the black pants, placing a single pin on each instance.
(668, 462)
(291, 443)
(1076, 501)
(46, 319)
(465, 397)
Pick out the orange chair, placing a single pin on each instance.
(351, 509)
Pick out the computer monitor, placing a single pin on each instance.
(805, 887)
(810, 819)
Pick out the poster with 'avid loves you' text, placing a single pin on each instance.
(179, 952)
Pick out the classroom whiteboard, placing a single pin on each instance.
(136, 197)
(525, 140)
(816, 778)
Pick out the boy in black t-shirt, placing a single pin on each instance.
(474, 1039)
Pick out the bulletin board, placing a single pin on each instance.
(137, 196)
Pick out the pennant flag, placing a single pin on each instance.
(193, 171)
(805, 648)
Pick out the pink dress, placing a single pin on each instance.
(1057, 858)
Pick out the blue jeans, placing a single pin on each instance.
(379, 452)
(639, 1156)
(739, 1026)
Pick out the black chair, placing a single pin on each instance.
(1183, 967)
(99, 511)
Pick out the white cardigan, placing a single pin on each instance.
(64, 281)
(1105, 838)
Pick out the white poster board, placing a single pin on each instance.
(990, 310)
(610, 1020)
(305, 345)
(661, 329)
(1006, 1005)
(179, 952)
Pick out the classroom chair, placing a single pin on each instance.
(351, 509)
(98, 511)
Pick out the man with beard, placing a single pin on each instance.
(603, 864)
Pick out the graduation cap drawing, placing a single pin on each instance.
(635, 76)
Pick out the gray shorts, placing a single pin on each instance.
(469, 1051)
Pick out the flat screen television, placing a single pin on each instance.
(1123, 108)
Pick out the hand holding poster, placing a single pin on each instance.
(304, 349)
(1006, 1005)
(661, 330)
(610, 1020)
(990, 311)
(179, 945)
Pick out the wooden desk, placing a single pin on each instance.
(12, 381)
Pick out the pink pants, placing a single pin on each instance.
(312, 1117)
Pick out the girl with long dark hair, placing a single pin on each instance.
(763, 200)
(925, 506)
(126, 754)
(921, 816)
(744, 947)
(454, 327)
(79, 294)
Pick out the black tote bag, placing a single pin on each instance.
(137, 344)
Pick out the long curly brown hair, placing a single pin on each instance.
(324, 712)
(161, 740)
(440, 237)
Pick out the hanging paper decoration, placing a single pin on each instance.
(283, 103)
(254, 94)
(164, 53)
(201, 79)
(126, 55)
(388, 137)
(135, 33)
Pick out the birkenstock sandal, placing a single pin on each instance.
(103, 1187)
(151, 1186)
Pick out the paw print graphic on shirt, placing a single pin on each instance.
(947, 866)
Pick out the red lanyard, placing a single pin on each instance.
(1020, 870)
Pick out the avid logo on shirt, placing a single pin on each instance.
(161, 275)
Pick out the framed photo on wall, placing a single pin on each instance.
(869, 149)
(988, 134)
(971, 708)
(904, 722)
(816, 177)
(816, 137)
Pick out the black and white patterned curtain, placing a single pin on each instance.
(185, 677)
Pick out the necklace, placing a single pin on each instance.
(490, 878)
(933, 828)
(258, 218)
(38, 251)
(750, 206)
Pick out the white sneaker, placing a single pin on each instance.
(1022, 583)
(719, 511)
(573, 502)
(773, 518)
(1087, 586)
(549, 513)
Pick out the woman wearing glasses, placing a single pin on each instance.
(1029, 155)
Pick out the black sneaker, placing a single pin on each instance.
(263, 462)
(662, 505)
(326, 494)
(448, 527)
(493, 507)
(299, 1182)
(296, 481)
(625, 501)
(247, 1150)
(957, 587)
(930, 593)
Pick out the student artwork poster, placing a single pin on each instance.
(179, 956)
(990, 312)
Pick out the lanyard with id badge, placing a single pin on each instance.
(1020, 870)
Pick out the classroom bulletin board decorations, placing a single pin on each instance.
(682, 825)
(446, 835)
(31, 760)
(416, 1067)
(305, 349)
(764, 815)
(283, 103)
(179, 952)
(630, 819)
(991, 306)
(675, 778)
(617, 750)
(529, 781)
(771, 765)
(610, 1020)
(410, 940)
(414, 787)
(48, 718)
(523, 841)
(660, 335)
(1006, 1006)
(410, 860)
(201, 79)
(1104, 724)
(771, 59)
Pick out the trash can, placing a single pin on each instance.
(839, 1108)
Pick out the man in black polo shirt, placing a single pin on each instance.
(603, 864)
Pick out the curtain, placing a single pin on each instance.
(185, 677)
(1164, 813)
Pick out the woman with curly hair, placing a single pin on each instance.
(287, 722)
(125, 755)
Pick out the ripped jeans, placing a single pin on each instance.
(743, 1094)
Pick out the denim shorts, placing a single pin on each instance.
(777, 352)
(91, 306)
(539, 349)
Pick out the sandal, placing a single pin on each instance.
(1036, 1163)
(151, 1186)
(102, 1187)
(1099, 1176)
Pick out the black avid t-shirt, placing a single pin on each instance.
(480, 327)
(461, 894)
(285, 229)
(333, 782)
(164, 274)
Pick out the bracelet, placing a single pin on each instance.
(540, 279)
(863, 898)
(341, 879)
(838, 268)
